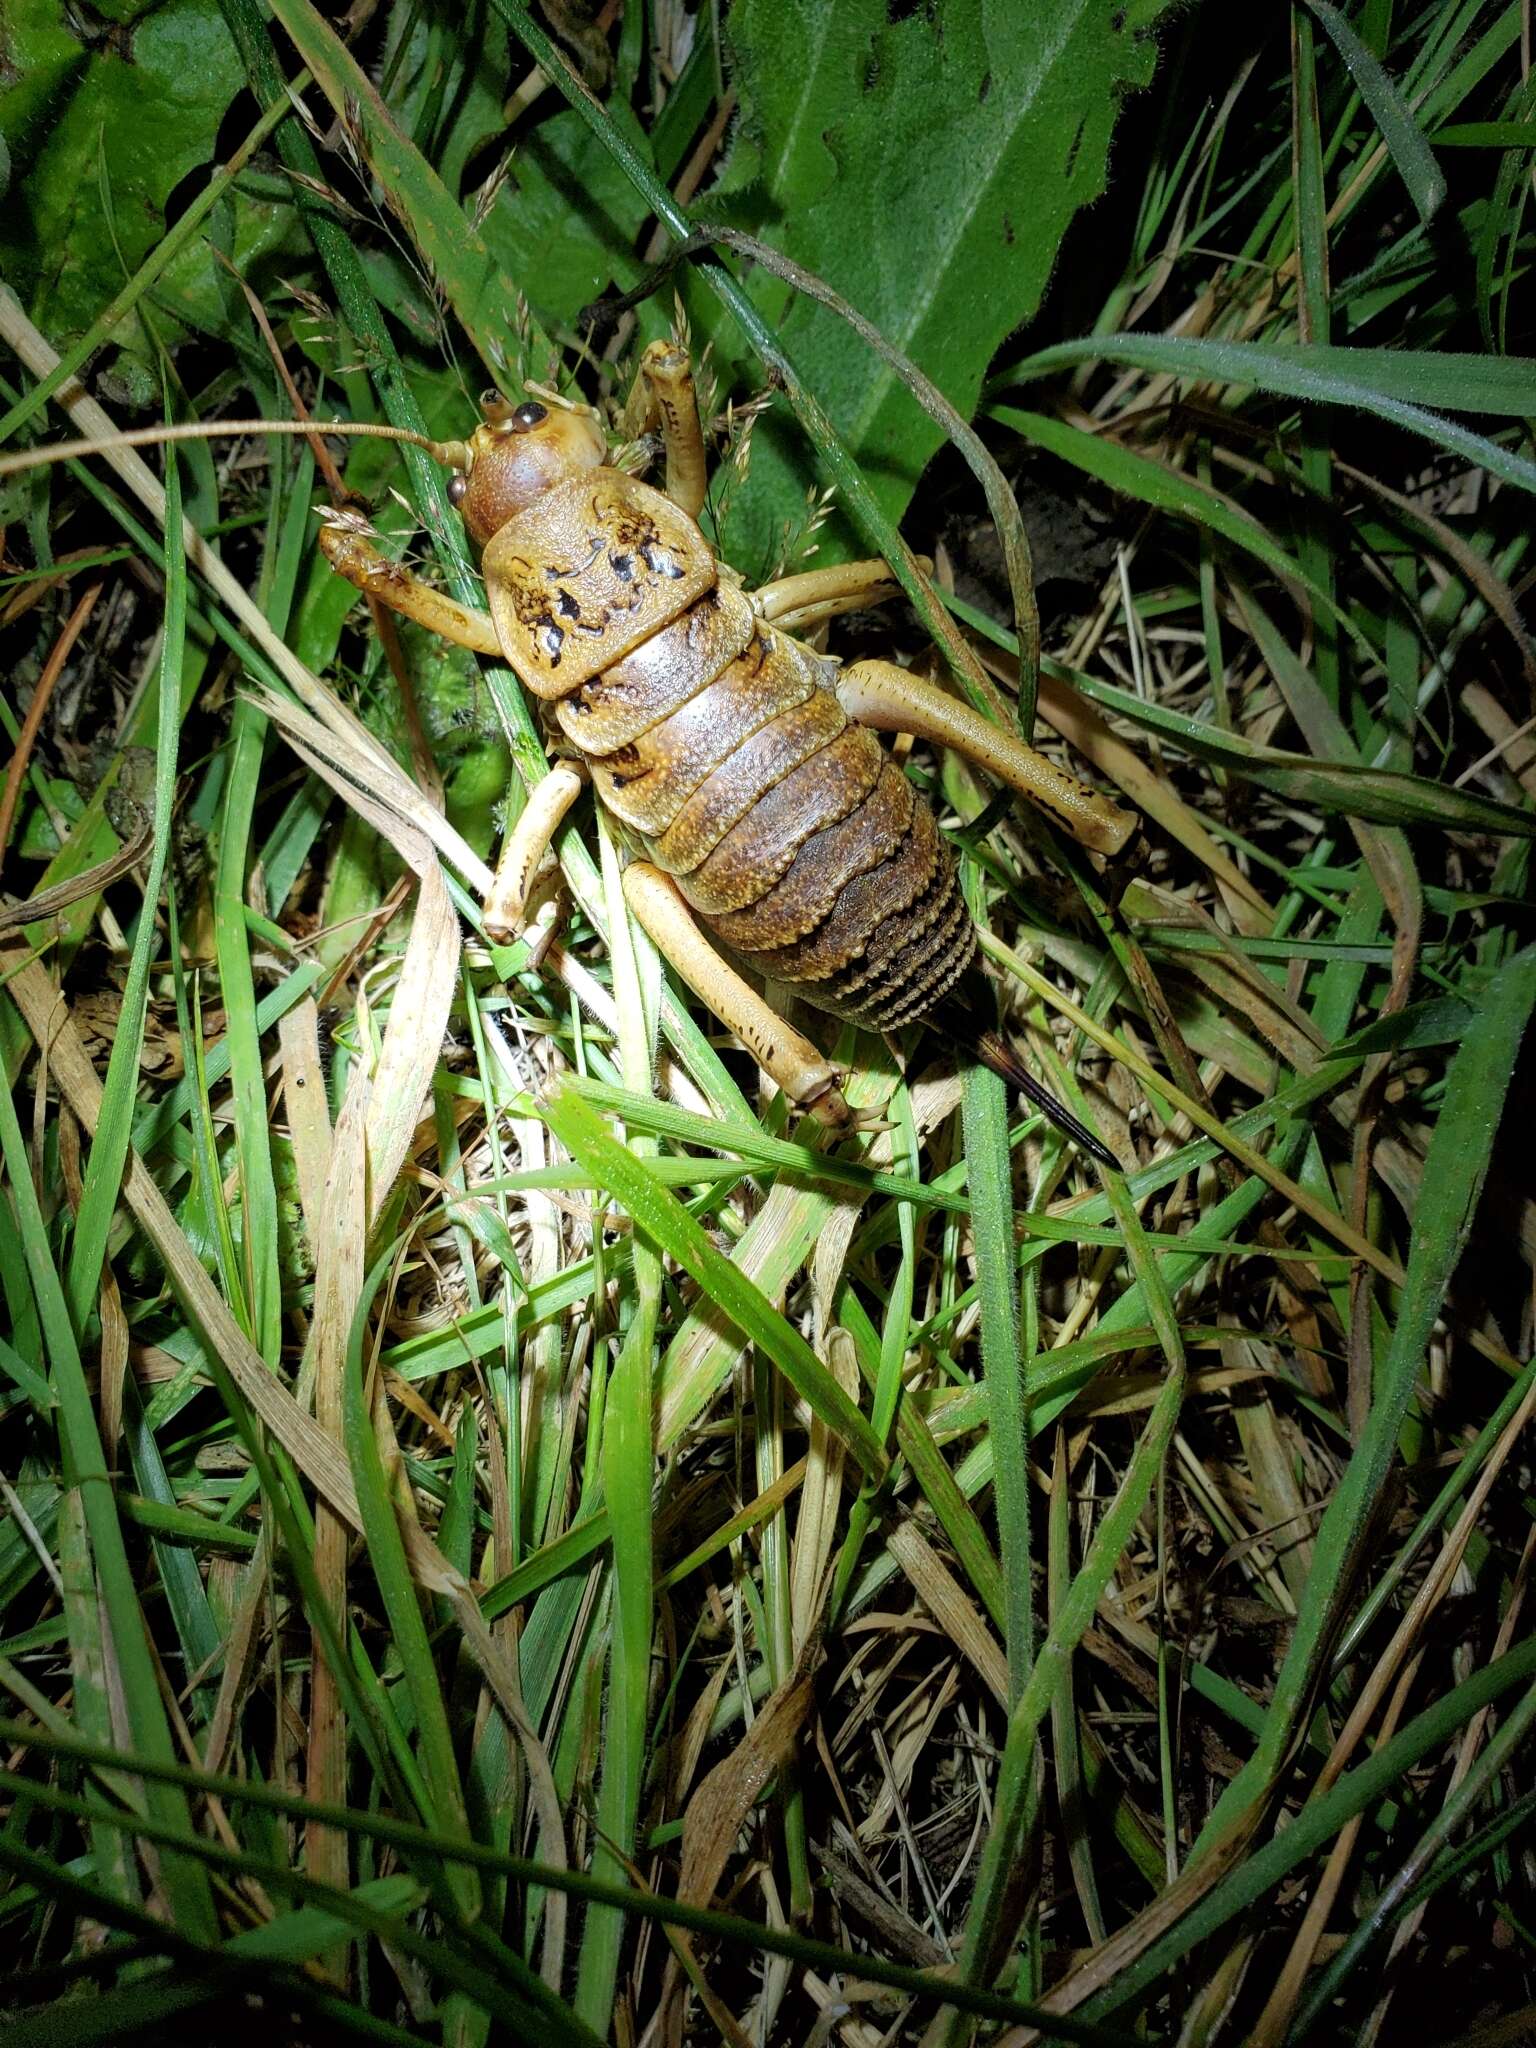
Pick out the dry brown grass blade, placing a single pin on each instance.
(53, 668)
(719, 1808)
(371, 1144)
(373, 1133)
(340, 1249)
(309, 1121)
(90, 882)
(958, 1617)
(820, 1499)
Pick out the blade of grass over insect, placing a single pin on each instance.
(1457, 1164)
(85, 1474)
(988, 1932)
(1411, 153)
(1001, 502)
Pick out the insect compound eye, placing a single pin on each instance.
(529, 415)
(458, 487)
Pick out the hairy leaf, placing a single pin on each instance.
(921, 160)
(99, 140)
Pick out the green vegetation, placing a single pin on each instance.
(506, 1533)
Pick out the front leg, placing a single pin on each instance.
(890, 699)
(352, 554)
(787, 1058)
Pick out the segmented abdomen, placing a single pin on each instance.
(799, 843)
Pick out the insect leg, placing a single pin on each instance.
(779, 1050)
(664, 396)
(890, 699)
(526, 845)
(352, 555)
(794, 602)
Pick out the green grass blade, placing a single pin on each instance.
(1415, 160)
(1455, 1169)
(656, 1211)
(109, 1151)
(85, 1472)
(990, 1165)
(386, 1554)
(1395, 385)
(987, 1929)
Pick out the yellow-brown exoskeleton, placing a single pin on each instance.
(765, 812)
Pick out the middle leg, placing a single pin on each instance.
(794, 602)
(526, 845)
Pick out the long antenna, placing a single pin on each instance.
(452, 454)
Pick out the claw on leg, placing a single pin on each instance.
(526, 845)
(782, 1053)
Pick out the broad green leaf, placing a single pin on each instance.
(920, 160)
(101, 133)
